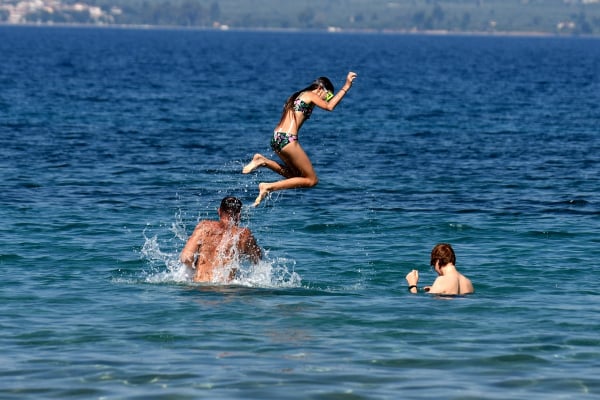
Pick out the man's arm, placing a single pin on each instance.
(412, 278)
(251, 247)
(191, 247)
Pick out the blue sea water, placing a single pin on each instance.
(114, 143)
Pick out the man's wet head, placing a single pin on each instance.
(232, 207)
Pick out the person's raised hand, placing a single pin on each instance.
(412, 277)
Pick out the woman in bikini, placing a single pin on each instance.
(296, 168)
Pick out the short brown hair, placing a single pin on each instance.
(443, 253)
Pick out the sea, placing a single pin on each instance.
(115, 143)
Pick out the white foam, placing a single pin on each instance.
(165, 267)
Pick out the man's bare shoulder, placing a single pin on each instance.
(207, 227)
(246, 233)
(208, 224)
(445, 285)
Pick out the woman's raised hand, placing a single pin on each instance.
(350, 78)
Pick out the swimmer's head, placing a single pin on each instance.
(443, 253)
(324, 83)
(232, 206)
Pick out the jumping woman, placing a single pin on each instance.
(296, 168)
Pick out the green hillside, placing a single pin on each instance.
(547, 16)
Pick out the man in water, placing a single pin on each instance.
(215, 246)
(449, 280)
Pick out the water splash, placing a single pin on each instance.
(165, 266)
(176, 272)
(272, 273)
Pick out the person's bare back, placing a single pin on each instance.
(451, 283)
(449, 280)
(215, 245)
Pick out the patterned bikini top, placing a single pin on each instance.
(304, 108)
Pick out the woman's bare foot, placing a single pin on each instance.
(263, 191)
(257, 161)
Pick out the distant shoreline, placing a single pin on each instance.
(293, 30)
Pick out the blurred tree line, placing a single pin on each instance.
(550, 16)
(190, 13)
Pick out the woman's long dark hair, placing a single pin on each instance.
(319, 82)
